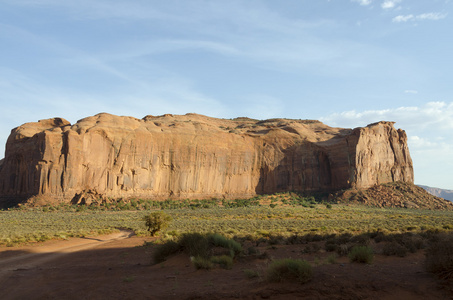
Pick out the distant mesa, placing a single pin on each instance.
(196, 157)
(446, 194)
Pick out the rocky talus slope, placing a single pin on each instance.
(194, 156)
(393, 194)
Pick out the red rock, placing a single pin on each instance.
(195, 156)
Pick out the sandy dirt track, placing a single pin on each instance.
(34, 256)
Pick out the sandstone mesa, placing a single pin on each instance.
(196, 157)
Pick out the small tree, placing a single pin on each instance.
(157, 221)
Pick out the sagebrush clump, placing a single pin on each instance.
(200, 248)
(439, 257)
(289, 269)
(361, 254)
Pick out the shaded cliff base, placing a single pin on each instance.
(395, 194)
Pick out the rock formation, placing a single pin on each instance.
(443, 193)
(393, 194)
(194, 156)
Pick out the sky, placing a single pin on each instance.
(347, 63)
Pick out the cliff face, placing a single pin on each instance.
(194, 156)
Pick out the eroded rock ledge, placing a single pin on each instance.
(194, 156)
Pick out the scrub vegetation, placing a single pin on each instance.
(270, 218)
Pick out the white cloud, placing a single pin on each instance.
(433, 116)
(401, 18)
(388, 4)
(419, 142)
(430, 136)
(426, 16)
(411, 91)
(431, 16)
(363, 2)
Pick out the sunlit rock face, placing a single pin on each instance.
(195, 157)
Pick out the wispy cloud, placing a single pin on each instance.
(363, 2)
(402, 18)
(100, 9)
(419, 142)
(386, 4)
(389, 4)
(411, 91)
(431, 16)
(429, 129)
(433, 115)
(421, 17)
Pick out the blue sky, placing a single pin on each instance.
(347, 63)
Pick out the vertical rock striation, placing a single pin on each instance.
(194, 156)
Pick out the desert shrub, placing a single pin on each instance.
(343, 249)
(157, 221)
(311, 248)
(342, 244)
(378, 236)
(313, 238)
(412, 242)
(199, 247)
(332, 258)
(294, 239)
(394, 249)
(332, 244)
(439, 257)
(361, 239)
(361, 254)
(252, 250)
(275, 240)
(289, 269)
(251, 273)
(224, 261)
(202, 263)
(163, 251)
(195, 244)
(221, 241)
(344, 238)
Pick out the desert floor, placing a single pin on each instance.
(118, 266)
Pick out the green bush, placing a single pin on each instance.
(195, 244)
(201, 263)
(157, 221)
(221, 241)
(200, 247)
(361, 254)
(224, 261)
(289, 269)
(251, 273)
(332, 259)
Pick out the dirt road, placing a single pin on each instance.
(34, 256)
